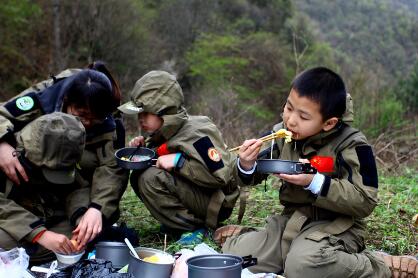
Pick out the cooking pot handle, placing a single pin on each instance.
(248, 261)
(153, 161)
(306, 168)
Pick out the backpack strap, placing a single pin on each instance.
(244, 193)
(215, 204)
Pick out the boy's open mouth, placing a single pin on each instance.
(295, 135)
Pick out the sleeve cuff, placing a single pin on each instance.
(76, 215)
(38, 236)
(316, 184)
(9, 138)
(176, 159)
(180, 162)
(249, 172)
(95, 205)
(35, 234)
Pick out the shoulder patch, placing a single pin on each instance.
(209, 154)
(23, 104)
(368, 170)
(214, 155)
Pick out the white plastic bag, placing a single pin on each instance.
(13, 263)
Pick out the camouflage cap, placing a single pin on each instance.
(54, 142)
(157, 92)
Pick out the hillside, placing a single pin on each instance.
(378, 34)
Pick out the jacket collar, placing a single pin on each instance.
(171, 125)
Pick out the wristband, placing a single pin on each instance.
(176, 159)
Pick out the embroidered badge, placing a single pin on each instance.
(214, 155)
(25, 103)
(210, 156)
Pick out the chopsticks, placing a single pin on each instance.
(281, 133)
(134, 152)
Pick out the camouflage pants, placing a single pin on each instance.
(38, 254)
(174, 202)
(328, 257)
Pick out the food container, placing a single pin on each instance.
(123, 154)
(218, 265)
(69, 259)
(279, 166)
(116, 252)
(142, 269)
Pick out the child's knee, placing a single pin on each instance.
(310, 262)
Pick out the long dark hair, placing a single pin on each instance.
(94, 89)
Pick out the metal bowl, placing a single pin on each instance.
(215, 265)
(143, 269)
(116, 252)
(133, 165)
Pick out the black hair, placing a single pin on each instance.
(325, 87)
(92, 90)
(101, 67)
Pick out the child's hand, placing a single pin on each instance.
(57, 243)
(89, 227)
(301, 179)
(248, 153)
(10, 164)
(166, 162)
(137, 141)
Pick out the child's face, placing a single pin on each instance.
(302, 117)
(149, 122)
(86, 117)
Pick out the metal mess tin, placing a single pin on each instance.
(116, 252)
(278, 166)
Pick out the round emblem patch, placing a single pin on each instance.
(24, 103)
(214, 155)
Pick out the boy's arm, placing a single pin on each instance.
(251, 177)
(206, 169)
(109, 182)
(355, 191)
(104, 191)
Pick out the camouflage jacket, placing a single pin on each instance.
(100, 183)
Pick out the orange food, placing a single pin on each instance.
(75, 243)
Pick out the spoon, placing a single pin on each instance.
(131, 248)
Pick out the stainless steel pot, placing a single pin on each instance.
(278, 166)
(218, 266)
(116, 252)
(142, 269)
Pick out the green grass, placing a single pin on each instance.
(389, 227)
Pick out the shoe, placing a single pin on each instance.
(192, 238)
(222, 233)
(400, 266)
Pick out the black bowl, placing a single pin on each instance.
(278, 166)
(134, 165)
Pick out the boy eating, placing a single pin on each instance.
(321, 231)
